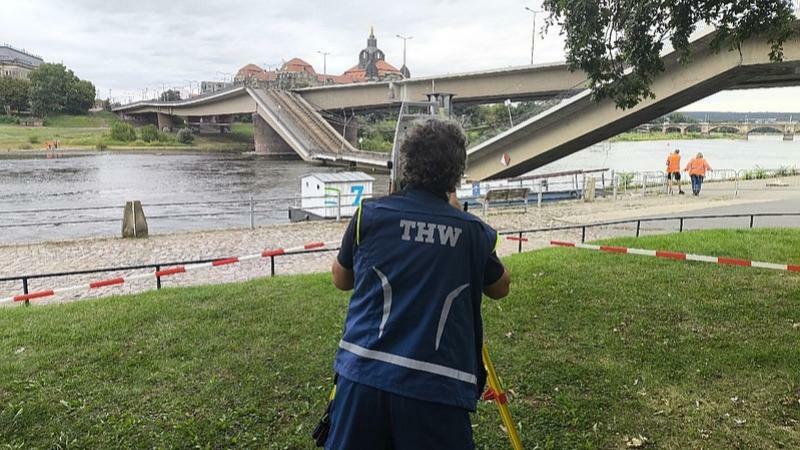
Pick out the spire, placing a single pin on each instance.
(371, 31)
(372, 42)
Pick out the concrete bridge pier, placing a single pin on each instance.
(788, 132)
(164, 122)
(350, 130)
(268, 141)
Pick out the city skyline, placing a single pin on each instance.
(126, 51)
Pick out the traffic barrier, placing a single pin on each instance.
(680, 256)
(165, 272)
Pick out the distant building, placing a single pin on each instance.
(17, 63)
(207, 87)
(372, 66)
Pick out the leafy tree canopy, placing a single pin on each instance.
(55, 89)
(170, 95)
(606, 37)
(14, 94)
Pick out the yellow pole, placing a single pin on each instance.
(499, 396)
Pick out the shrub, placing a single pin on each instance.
(123, 132)
(25, 146)
(149, 133)
(33, 139)
(8, 120)
(185, 136)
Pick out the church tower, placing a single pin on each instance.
(369, 57)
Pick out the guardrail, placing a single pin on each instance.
(519, 235)
(155, 267)
(514, 235)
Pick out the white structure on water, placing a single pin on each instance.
(332, 195)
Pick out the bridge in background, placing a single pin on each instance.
(290, 123)
(787, 129)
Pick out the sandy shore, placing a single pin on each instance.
(108, 252)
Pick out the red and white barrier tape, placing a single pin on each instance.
(679, 256)
(166, 272)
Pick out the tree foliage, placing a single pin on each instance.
(55, 89)
(170, 95)
(14, 94)
(604, 38)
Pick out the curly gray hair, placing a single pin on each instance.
(434, 155)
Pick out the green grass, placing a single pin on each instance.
(594, 347)
(87, 131)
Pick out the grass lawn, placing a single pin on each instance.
(595, 348)
(86, 131)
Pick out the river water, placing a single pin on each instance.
(110, 179)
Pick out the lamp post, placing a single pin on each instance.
(405, 41)
(533, 31)
(324, 61)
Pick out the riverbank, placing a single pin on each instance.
(108, 252)
(633, 136)
(91, 132)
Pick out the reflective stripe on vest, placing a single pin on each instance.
(408, 363)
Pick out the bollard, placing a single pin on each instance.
(614, 186)
(25, 290)
(736, 191)
(644, 185)
(539, 196)
(252, 214)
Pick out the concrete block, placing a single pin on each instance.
(134, 222)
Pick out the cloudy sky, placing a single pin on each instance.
(125, 47)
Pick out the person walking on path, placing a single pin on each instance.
(674, 171)
(409, 367)
(697, 169)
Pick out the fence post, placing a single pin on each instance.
(25, 290)
(752, 217)
(519, 243)
(338, 205)
(638, 227)
(614, 185)
(583, 234)
(252, 214)
(681, 228)
(539, 196)
(644, 185)
(272, 265)
(736, 192)
(158, 278)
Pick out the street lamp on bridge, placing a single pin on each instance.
(405, 41)
(533, 31)
(324, 61)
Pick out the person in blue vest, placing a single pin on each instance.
(409, 362)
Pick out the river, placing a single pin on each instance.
(110, 179)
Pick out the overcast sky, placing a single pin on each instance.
(124, 47)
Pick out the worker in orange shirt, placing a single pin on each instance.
(697, 169)
(674, 171)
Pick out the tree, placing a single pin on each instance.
(14, 94)
(55, 89)
(80, 97)
(170, 95)
(606, 38)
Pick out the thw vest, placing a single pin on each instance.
(413, 325)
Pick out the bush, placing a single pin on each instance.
(33, 139)
(185, 136)
(8, 120)
(149, 133)
(25, 146)
(123, 132)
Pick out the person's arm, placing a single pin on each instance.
(499, 288)
(342, 267)
(708, 167)
(343, 278)
(497, 280)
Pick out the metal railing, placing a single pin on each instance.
(520, 235)
(514, 235)
(250, 208)
(155, 267)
